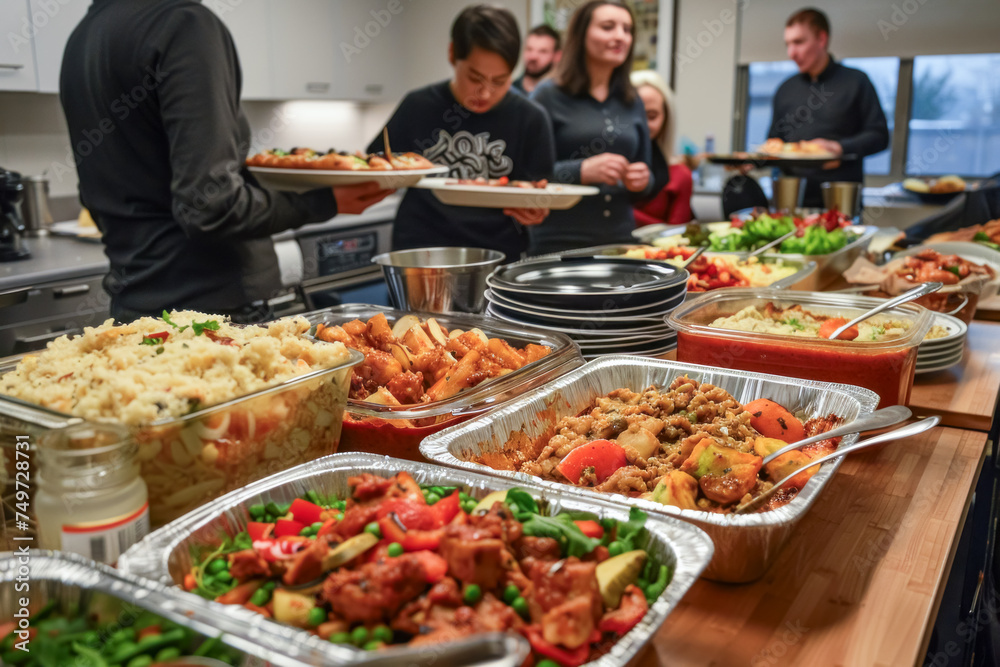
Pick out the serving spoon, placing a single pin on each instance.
(909, 295)
(697, 253)
(879, 419)
(897, 434)
(778, 241)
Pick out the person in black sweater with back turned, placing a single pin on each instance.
(826, 103)
(151, 94)
(478, 128)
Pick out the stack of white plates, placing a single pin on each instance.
(936, 354)
(607, 305)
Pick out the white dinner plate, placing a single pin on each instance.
(925, 358)
(300, 180)
(941, 363)
(556, 196)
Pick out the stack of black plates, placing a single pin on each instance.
(608, 305)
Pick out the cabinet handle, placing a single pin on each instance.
(11, 66)
(317, 87)
(72, 290)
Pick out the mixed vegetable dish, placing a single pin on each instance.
(107, 635)
(691, 445)
(398, 563)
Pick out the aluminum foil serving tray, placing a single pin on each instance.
(166, 554)
(745, 545)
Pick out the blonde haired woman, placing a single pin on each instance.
(671, 202)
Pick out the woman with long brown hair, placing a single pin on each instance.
(600, 130)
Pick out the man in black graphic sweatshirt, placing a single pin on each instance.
(478, 128)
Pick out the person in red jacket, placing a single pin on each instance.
(671, 202)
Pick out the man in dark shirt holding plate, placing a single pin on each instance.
(832, 106)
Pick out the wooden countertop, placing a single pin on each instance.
(964, 395)
(860, 581)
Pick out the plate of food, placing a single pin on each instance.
(787, 154)
(304, 168)
(506, 193)
(935, 190)
(987, 235)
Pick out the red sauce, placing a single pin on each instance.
(379, 436)
(888, 373)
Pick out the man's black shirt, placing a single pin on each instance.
(841, 105)
(513, 139)
(150, 90)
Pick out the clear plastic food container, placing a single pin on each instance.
(370, 427)
(187, 461)
(885, 367)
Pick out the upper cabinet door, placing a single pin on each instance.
(302, 51)
(60, 18)
(368, 35)
(17, 58)
(247, 21)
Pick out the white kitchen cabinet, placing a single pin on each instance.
(247, 21)
(302, 53)
(369, 55)
(17, 58)
(56, 21)
(337, 49)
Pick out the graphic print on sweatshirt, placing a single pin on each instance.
(471, 155)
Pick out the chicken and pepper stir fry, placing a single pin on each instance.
(396, 563)
(692, 446)
(414, 362)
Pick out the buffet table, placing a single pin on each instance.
(965, 395)
(862, 579)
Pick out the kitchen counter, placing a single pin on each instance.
(54, 258)
(58, 258)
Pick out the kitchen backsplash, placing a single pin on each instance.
(34, 138)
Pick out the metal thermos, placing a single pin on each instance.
(35, 207)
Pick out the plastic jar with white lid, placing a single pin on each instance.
(90, 497)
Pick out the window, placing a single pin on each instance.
(764, 79)
(954, 123)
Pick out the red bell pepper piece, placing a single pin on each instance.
(564, 656)
(149, 631)
(305, 512)
(286, 527)
(259, 530)
(162, 337)
(410, 513)
(445, 509)
(603, 456)
(412, 539)
(282, 548)
(190, 583)
(631, 610)
(590, 529)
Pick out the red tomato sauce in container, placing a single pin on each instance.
(884, 366)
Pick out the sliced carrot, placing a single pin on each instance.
(829, 326)
(773, 421)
